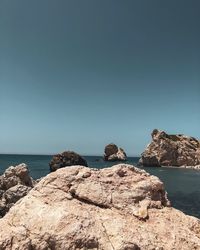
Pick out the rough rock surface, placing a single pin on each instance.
(67, 158)
(15, 183)
(113, 153)
(117, 208)
(171, 150)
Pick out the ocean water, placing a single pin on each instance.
(182, 185)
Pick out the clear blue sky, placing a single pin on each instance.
(80, 74)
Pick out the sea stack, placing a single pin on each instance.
(113, 153)
(171, 150)
(65, 159)
(119, 208)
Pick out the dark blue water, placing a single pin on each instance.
(182, 185)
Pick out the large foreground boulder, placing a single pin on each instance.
(113, 153)
(81, 208)
(171, 150)
(15, 183)
(65, 159)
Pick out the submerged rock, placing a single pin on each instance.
(15, 183)
(113, 153)
(119, 208)
(67, 158)
(171, 150)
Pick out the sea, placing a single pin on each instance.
(182, 185)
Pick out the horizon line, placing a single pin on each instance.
(51, 154)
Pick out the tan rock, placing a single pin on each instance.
(115, 208)
(171, 150)
(15, 183)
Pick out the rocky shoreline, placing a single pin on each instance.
(121, 207)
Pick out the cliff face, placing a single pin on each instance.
(81, 208)
(171, 150)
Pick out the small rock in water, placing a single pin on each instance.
(113, 153)
(65, 159)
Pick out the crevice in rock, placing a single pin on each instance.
(105, 230)
(89, 202)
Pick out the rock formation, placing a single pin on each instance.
(67, 158)
(15, 183)
(117, 208)
(113, 153)
(171, 150)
